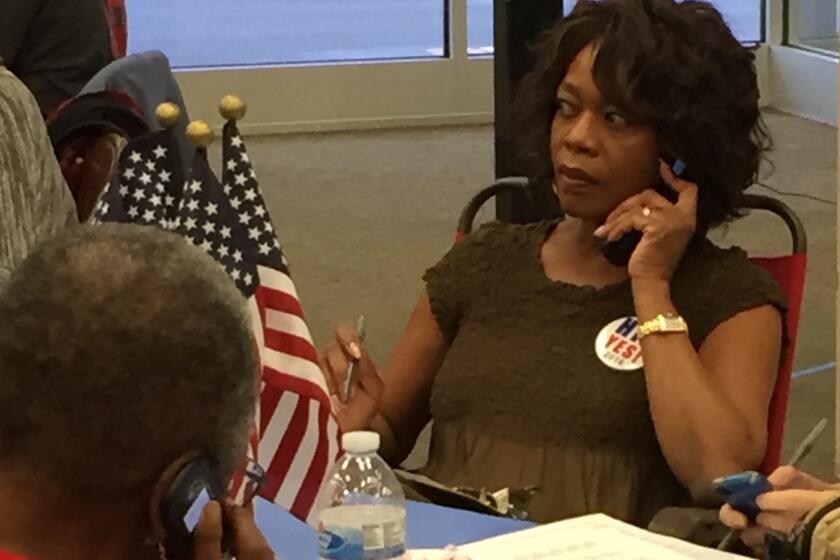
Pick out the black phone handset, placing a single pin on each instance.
(195, 486)
(618, 252)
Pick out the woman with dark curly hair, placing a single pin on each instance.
(616, 388)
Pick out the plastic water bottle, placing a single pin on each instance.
(362, 515)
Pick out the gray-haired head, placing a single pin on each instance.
(122, 348)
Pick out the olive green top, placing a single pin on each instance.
(523, 400)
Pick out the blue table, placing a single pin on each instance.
(428, 527)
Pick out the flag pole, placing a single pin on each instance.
(168, 116)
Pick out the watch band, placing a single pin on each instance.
(663, 324)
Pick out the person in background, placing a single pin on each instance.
(615, 388)
(55, 46)
(801, 508)
(35, 202)
(125, 353)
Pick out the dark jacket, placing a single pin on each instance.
(54, 46)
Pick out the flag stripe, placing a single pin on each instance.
(281, 283)
(282, 440)
(296, 477)
(305, 501)
(287, 322)
(278, 382)
(295, 367)
(269, 401)
(257, 312)
(291, 345)
(277, 280)
(281, 301)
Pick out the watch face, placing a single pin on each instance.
(673, 324)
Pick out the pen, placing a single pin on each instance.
(348, 383)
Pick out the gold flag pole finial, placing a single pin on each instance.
(201, 134)
(168, 114)
(233, 108)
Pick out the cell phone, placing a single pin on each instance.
(196, 485)
(742, 490)
(618, 252)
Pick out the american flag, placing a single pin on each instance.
(144, 189)
(296, 435)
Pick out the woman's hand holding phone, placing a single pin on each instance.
(666, 227)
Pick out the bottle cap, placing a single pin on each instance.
(360, 442)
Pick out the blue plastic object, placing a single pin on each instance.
(741, 491)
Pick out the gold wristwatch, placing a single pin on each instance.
(667, 323)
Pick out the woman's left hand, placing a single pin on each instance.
(666, 228)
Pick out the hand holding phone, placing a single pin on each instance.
(618, 252)
(220, 522)
(194, 487)
(742, 490)
(667, 228)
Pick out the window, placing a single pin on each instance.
(812, 24)
(210, 33)
(480, 27)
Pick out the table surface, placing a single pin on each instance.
(429, 526)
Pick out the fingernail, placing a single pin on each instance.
(355, 351)
(601, 231)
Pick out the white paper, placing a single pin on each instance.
(434, 555)
(588, 538)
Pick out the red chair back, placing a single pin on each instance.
(789, 272)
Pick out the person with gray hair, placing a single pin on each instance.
(35, 202)
(125, 353)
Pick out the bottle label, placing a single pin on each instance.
(385, 541)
